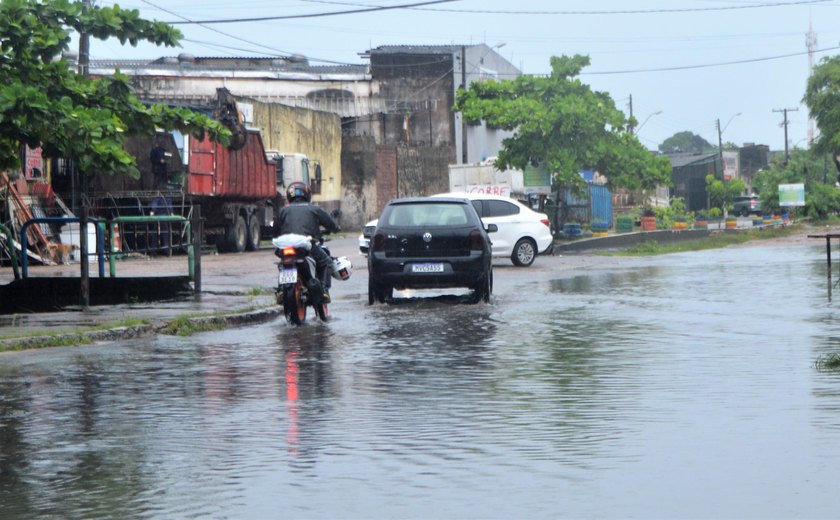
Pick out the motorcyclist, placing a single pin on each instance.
(303, 218)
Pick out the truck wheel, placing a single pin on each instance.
(253, 234)
(236, 235)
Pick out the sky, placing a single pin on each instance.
(686, 64)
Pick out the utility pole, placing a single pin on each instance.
(84, 45)
(463, 119)
(84, 288)
(631, 113)
(785, 124)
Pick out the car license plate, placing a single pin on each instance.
(287, 276)
(427, 268)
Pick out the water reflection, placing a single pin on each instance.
(575, 395)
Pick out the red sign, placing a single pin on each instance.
(33, 163)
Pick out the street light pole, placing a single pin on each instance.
(720, 140)
(635, 131)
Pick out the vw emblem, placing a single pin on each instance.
(427, 237)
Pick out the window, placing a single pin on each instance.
(499, 208)
(477, 205)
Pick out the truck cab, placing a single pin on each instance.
(291, 167)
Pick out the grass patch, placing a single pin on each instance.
(186, 325)
(829, 362)
(713, 241)
(259, 291)
(201, 322)
(66, 338)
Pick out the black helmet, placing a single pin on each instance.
(298, 190)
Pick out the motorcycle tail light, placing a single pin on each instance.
(476, 240)
(288, 251)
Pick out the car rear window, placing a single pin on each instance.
(499, 208)
(428, 214)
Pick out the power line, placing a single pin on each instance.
(705, 65)
(608, 12)
(311, 15)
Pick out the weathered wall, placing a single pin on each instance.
(418, 93)
(422, 171)
(386, 175)
(358, 175)
(316, 134)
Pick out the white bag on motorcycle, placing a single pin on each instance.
(292, 240)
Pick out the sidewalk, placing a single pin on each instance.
(231, 283)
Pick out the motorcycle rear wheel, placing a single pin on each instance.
(293, 306)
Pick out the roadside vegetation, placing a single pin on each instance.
(46, 339)
(830, 362)
(713, 241)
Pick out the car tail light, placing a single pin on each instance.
(476, 240)
(378, 241)
(546, 222)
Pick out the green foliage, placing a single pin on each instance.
(563, 124)
(685, 142)
(822, 96)
(809, 167)
(830, 362)
(43, 102)
(722, 193)
(712, 241)
(667, 215)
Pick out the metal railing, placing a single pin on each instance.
(100, 241)
(161, 219)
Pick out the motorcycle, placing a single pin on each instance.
(298, 286)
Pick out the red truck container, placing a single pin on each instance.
(236, 188)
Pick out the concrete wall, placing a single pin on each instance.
(316, 134)
(417, 92)
(418, 170)
(359, 196)
(374, 174)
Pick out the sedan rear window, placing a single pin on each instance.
(441, 214)
(499, 208)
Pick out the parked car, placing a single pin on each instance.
(746, 205)
(522, 232)
(430, 243)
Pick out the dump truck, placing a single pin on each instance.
(238, 187)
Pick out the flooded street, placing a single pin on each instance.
(674, 386)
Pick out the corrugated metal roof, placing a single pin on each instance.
(218, 64)
(678, 160)
(419, 49)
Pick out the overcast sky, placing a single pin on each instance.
(696, 61)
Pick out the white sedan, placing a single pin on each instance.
(523, 233)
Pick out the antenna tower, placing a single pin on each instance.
(811, 44)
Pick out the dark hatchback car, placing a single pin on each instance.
(746, 205)
(430, 243)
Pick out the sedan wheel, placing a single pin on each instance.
(524, 252)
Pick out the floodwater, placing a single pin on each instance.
(674, 386)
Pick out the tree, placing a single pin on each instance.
(687, 142)
(564, 125)
(43, 102)
(809, 167)
(822, 96)
(722, 193)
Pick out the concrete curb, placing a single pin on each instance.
(139, 331)
(230, 320)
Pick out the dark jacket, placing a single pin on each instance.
(304, 219)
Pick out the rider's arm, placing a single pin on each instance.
(326, 221)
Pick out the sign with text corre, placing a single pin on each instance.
(791, 195)
(501, 190)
